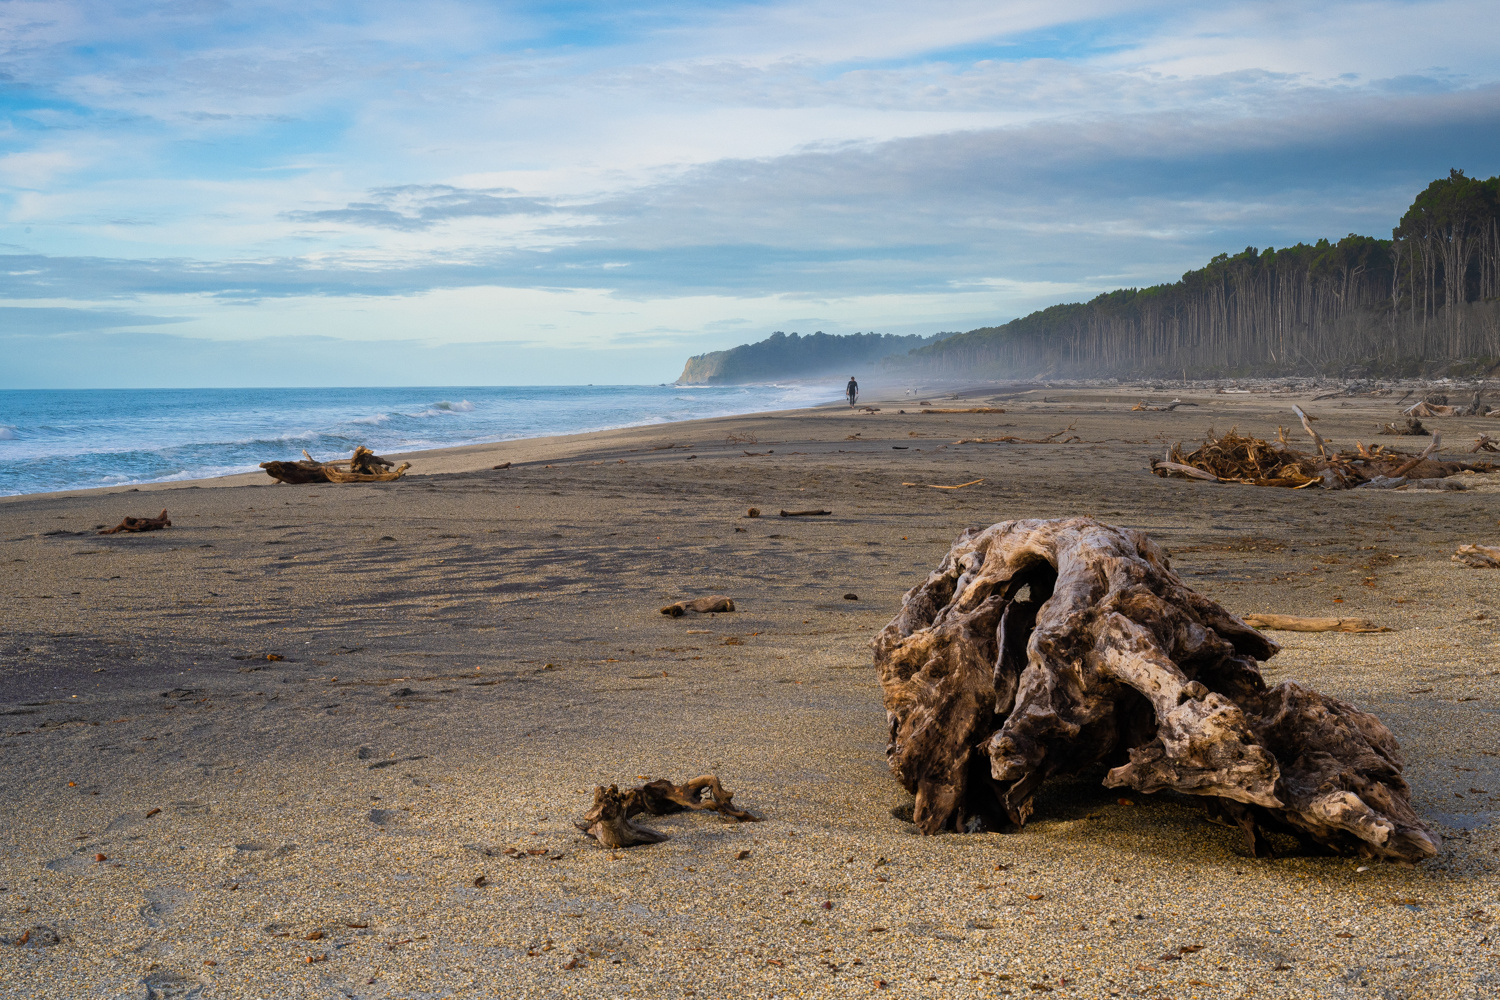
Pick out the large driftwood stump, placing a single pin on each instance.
(1040, 647)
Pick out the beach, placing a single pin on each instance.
(330, 740)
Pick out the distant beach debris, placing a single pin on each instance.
(699, 605)
(608, 820)
(1161, 407)
(806, 513)
(140, 524)
(742, 439)
(964, 409)
(364, 466)
(977, 724)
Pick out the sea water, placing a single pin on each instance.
(79, 438)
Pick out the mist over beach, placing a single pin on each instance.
(761, 500)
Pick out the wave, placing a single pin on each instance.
(462, 406)
(7, 432)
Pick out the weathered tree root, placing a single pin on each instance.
(140, 524)
(1040, 647)
(700, 605)
(608, 821)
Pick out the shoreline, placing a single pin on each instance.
(450, 459)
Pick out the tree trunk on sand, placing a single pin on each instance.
(1040, 647)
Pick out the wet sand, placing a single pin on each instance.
(461, 656)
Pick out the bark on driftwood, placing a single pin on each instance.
(1040, 647)
(701, 605)
(140, 524)
(608, 821)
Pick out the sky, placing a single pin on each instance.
(378, 193)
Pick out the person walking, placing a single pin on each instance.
(852, 391)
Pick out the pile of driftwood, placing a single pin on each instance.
(1045, 647)
(364, 466)
(1237, 458)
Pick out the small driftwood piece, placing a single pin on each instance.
(805, 513)
(1412, 428)
(1292, 623)
(1478, 556)
(140, 524)
(966, 409)
(1160, 407)
(700, 605)
(1044, 647)
(608, 821)
(960, 486)
(1484, 443)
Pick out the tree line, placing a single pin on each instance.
(1431, 293)
(796, 356)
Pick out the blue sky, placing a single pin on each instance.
(226, 193)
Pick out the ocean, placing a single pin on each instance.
(80, 438)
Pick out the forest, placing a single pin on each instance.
(796, 356)
(1424, 300)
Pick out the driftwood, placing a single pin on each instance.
(1426, 409)
(140, 524)
(608, 821)
(1040, 647)
(960, 486)
(701, 605)
(1291, 623)
(805, 513)
(1161, 407)
(967, 409)
(364, 466)
(1412, 428)
(1237, 458)
(1012, 439)
(1478, 556)
(1484, 443)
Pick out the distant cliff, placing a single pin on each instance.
(781, 356)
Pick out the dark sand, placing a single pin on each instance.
(466, 654)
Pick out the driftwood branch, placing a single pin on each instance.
(930, 486)
(1405, 467)
(1307, 426)
(609, 819)
(140, 524)
(700, 605)
(1042, 647)
(1478, 556)
(1291, 623)
(805, 513)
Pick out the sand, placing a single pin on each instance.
(463, 655)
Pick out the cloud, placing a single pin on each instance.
(53, 320)
(417, 207)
